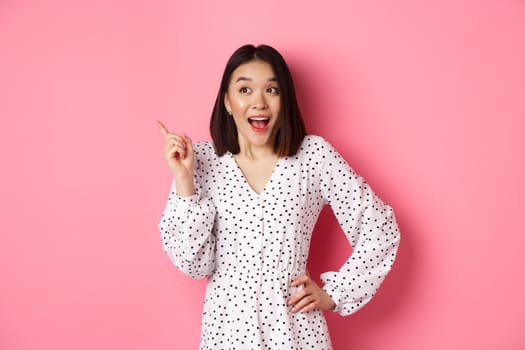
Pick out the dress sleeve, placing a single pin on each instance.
(370, 227)
(186, 229)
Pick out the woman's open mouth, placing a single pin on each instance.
(259, 124)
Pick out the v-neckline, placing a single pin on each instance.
(245, 180)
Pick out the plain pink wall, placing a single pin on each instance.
(424, 98)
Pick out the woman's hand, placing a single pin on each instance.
(310, 297)
(178, 152)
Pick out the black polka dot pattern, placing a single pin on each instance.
(251, 246)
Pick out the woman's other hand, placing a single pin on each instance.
(178, 152)
(310, 297)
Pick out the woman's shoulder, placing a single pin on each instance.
(315, 143)
(317, 149)
(312, 139)
(203, 147)
(205, 152)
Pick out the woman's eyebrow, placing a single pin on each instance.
(250, 79)
(242, 79)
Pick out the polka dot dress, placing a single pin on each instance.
(252, 246)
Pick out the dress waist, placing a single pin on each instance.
(239, 271)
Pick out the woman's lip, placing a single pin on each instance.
(255, 122)
(259, 130)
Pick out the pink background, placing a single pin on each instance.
(425, 99)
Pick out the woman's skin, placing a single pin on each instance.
(254, 101)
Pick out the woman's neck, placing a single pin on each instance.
(253, 152)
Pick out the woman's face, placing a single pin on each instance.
(254, 99)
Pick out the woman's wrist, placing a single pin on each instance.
(184, 188)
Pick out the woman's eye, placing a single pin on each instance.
(244, 90)
(273, 90)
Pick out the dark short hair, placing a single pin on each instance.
(290, 126)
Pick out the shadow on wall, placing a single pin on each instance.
(329, 250)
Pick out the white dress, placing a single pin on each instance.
(251, 246)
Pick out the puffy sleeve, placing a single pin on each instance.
(370, 227)
(186, 229)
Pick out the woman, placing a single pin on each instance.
(242, 209)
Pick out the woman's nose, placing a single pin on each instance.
(259, 101)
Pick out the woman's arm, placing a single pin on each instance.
(370, 227)
(186, 231)
(187, 222)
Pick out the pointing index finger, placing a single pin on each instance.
(163, 130)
